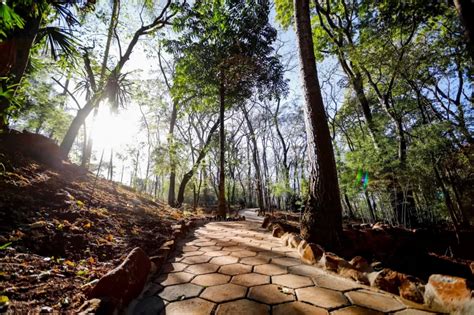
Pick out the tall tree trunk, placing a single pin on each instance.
(222, 202)
(256, 161)
(172, 156)
(76, 124)
(349, 207)
(464, 7)
(369, 206)
(322, 219)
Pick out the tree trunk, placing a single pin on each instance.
(256, 161)
(464, 7)
(172, 156)
(187, 177)
(222, 202)
(76, 124)
(322, 219)
(349, 207)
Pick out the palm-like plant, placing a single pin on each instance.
(21, 27)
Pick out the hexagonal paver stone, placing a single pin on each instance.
(271, 294)
(250, 279)
(322, 297)
(189, 248)
(224, 260)
(305, 270)
(287, 261)
(196, 259)
(411, 311)
(246, 307)
(355, 310)
(271, 270)
(235, 269)
(374, 300)
(208, 243)
(217, 253)
(224, 292)
(193, 253)
(335, 283)
(174, 278)
(211, 279)
(195, 306)
(174, 267)
(180, 291)
(293, 254)
(298, 308)
(255, 261)
(235, 248)
(201, 269)
(269, 254)
(212, 248)
(292, 281)
(280, 249)
(226, 244)
(243, 253)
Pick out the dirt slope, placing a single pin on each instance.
(57, 232)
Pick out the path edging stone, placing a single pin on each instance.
(450, 294)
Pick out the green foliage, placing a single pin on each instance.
(58, 41)
(284, 12)
(227, 42)
(9, 20)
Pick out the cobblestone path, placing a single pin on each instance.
(239, 268)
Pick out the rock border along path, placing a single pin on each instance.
(239, 268)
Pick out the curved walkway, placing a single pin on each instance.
(239, 268)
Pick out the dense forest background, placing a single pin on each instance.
(396, 81)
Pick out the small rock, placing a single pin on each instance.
(294, 240)
(361, 264)
(38, 224)
(44, 275)
(387, 280)
(311, 253)
(332, 262)
(284, 239)
(301, 247)
(412, 289)
(354, 274)
(447, 293)
(278, 231)
(46, 309)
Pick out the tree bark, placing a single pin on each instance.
(172, 156)
(322, 219)
(222, 202)
(76, 124)
(256, 161)
(464, 7)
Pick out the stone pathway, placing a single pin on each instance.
(239, 268)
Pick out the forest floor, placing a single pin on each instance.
(60, 228)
